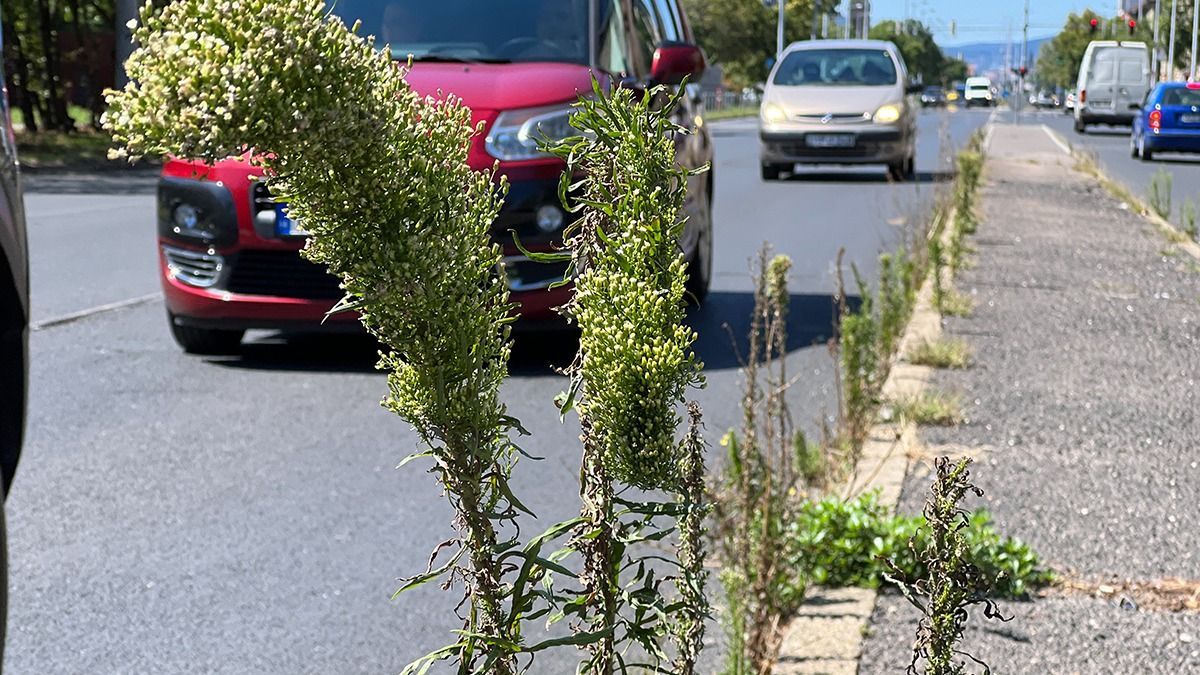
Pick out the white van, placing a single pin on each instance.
(978, 91)
(1114, 79)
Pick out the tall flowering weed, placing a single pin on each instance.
(379, 176)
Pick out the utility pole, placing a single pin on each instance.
(1157, 23)
(779, 34)
(1195, 37)
(126, 11)
(1024, 58)
(1171, 46)
(816, 20)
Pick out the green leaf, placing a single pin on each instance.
(539, 257)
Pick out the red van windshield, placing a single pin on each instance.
(471, 30)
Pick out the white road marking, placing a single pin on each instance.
(93, 311)
(1057, 141)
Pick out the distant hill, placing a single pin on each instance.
(989, 57)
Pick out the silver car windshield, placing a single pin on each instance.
(836, 68)
(502, 31)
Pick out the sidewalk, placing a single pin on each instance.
(1084, 419)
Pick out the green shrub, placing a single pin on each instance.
(838, 543)
(945, 353)
(1160, 193)
(1187, 219)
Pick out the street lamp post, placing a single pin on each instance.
(1195, 37)
(779, 30)
(1171, 45)
(1154, 52)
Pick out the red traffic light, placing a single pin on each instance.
(1095, 23)
(1132, 26)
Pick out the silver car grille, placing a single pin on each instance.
(194, 268)
(835, 118)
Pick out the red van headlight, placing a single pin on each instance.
(519, 134)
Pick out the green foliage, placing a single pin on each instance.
(1059, 60)
(953, 582)
(931, 408)
(1159, 194)
(810, 461)
(836, 543)
(1187, 219)
(379, 176)
(635, 363)
(922, 55)
(740, 35)
(946, 353)
(636, 353)
(756, 493)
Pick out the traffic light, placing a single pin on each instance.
(1132, 26)
(1095, 25)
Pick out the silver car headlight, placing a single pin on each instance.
(773, 113)
(519, 134)
(887, 114)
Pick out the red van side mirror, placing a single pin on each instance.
(674, 62)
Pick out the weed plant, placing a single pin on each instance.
(1159, 194)
(1187, 220)
(756, 494)
(840, 543)
(379, 176)
(953, 583)
(635, 364)
(930, 408)
(945, 353)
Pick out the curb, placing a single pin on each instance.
(1119, 191)
(826, 636)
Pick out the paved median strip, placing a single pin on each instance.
(65, 319)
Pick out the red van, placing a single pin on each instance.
(230, 255)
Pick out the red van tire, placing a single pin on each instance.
(206, 341)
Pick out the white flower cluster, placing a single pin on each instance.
(629, 303)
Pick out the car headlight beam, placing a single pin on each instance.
(887, 114)
(773, 113)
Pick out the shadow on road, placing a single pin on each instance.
(722, 324)
(298, 352)
(818, 176)
(134, 181)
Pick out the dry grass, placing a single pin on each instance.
(944, 353)
(931, 408)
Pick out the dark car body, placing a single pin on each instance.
(14, 331)
(933, 97)
(1169, 121)
(249, 274)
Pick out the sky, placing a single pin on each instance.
(987, 20)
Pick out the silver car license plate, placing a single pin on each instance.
(829, 140)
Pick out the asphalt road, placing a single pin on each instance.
(1111, 146)
(179, 514)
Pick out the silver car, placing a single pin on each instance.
(839, 102)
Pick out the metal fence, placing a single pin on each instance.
(724, 100)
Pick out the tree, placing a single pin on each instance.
(1059, 61)
(924, 58)
(741, 34)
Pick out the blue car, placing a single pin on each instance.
(1169, 121)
